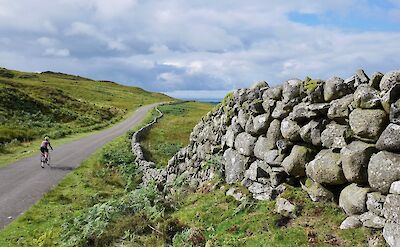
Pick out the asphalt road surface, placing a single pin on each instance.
(24, 182)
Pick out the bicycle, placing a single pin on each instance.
(44, 160)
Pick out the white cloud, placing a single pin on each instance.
(84, 29)
(56, 52)
(192, 45)
(111, 9)
(45, 41)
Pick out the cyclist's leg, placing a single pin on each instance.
(42, 158)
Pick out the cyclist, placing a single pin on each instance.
(44, 149)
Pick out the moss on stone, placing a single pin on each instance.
(310, 85)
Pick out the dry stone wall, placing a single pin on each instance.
(148, 168)
(335, 138)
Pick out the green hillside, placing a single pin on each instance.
(55, 104)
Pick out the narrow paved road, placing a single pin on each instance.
(24, 182)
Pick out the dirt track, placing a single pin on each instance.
(23, 183)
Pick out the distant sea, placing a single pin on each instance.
(212, 101)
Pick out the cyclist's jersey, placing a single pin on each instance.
(44, 144)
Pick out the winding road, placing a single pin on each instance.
(24, 182)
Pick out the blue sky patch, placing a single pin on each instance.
(377, 16)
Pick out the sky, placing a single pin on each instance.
(200, 48)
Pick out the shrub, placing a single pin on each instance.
(6, 73)
(10, 134)
(92, 224)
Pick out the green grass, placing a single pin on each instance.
(89, 184)
(58, 105)
(172, 131)
(214, 214)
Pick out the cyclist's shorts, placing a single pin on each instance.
(44, 150)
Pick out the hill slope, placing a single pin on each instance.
(57, 104)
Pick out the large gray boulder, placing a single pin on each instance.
(291, 89)
(336, 87)
(282, 109)
(274, 93)
(391, 208)
(391, 233)
(335, 136)
(261, 123)
(285, 208)
(383, 170)
(261, 147)
(361, 77)
(274, 157)
(366, 97)
(340, 108)
(375, 80)
(351, 222)
(258, 125)
(230, 136)
(263, 152)
(255, 107)
(390, 96)
(294, 164)
(314, 90)
(368, 124)
(235, 193)
(304, 111)
(355, 158)
(375, 201)
(277, 175)
(262, 191)
(268, 106)
(257, 169)
(372, 220)
(326, 168)
(389, 80)
(240, 95)
(290, 129)
(353, 199)
(244, 143)
(311, 132)
(317, 192)
(260, 85)
(394, 113)
(235, 165)
(390, 138)
(273, 134)
(243, 117)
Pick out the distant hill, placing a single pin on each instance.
(58, 104)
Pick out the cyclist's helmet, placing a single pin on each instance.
(46, 138)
